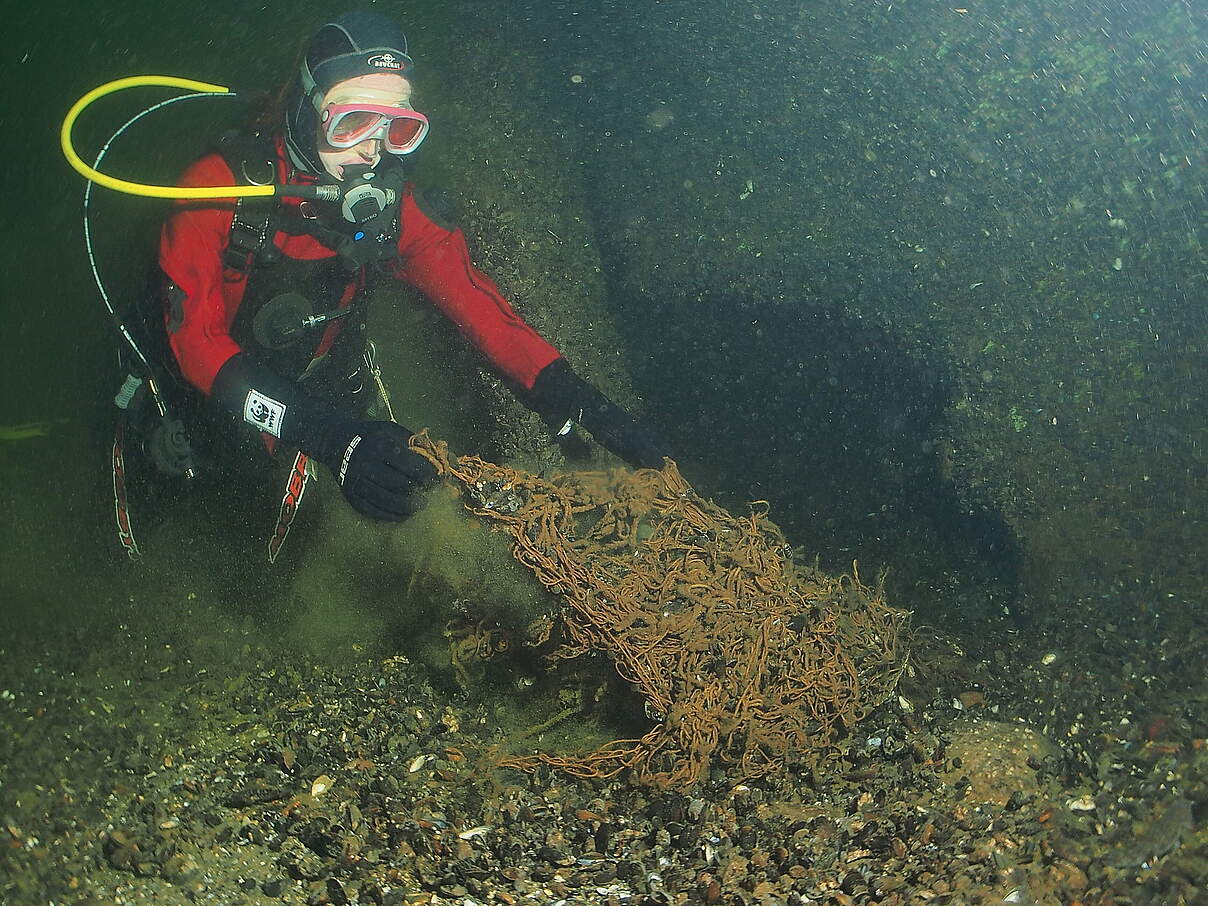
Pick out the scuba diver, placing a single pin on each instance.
(260, 308)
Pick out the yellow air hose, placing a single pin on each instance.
(137, 188)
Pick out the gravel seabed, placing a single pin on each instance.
(142, 776)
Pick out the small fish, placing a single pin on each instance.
(25, 431)
(1163, 832)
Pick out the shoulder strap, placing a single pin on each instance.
(252, 160)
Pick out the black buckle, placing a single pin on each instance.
(246, 241)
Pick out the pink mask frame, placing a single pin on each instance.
(400, 129)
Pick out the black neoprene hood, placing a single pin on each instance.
(353, 44)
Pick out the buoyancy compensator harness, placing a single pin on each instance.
(284, 329)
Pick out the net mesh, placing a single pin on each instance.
(745, 657)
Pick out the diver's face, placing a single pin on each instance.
(384, 89)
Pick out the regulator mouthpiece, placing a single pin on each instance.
(364, 199)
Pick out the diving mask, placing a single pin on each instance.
(400, 129)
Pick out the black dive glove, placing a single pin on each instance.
(562, 398)
(378, 473)
(371, 461)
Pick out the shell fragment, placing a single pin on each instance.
(419, 762)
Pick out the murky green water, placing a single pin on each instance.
(929, 278)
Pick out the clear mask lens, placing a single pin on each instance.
(401, 132)
(404, 133)
(353, 127)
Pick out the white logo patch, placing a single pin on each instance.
(352, 445)
(385, 61)
(263, 412)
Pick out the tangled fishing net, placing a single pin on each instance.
(744, 657)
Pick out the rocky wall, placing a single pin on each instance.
(926, 276)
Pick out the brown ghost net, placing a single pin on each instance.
(743, 656)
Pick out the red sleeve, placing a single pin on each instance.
(190, 253)
(436, 261)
